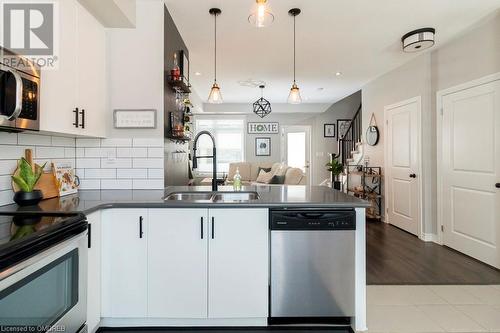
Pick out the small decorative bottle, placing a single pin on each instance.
(237, 180)
(175, 73)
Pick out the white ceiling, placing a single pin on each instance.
(360, 38)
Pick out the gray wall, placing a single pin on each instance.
(471, 55)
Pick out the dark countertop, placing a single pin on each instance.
(89, 201)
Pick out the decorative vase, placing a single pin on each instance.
(336, 185)
(28, 198)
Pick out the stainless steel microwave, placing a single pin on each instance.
(19, 93)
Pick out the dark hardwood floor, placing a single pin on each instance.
(394, 256)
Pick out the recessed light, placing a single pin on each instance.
(338, 74)
(197, 73)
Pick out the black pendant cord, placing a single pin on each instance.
(294, 65)
(215, 51)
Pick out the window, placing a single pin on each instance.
(230, 140)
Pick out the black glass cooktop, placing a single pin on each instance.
(23, 235)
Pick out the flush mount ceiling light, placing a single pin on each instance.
(262, 107)
(418, 40)
(294, 96)
(215, 96)
(262, 16)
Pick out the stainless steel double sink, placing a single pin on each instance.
(212, 196)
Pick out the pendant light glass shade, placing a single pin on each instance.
(294, 96)
(215, 96)
(262, 16)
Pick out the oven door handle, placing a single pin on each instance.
(19, 95)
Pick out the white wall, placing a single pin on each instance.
(471, 55)
(135, 64)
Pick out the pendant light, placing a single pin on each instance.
(215, 96)
(262, 107)
(294, 96)
(262, 16)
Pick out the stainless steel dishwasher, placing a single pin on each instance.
(312, 265)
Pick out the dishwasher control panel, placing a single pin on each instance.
(313, 220)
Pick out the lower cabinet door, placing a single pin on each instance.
(124, 263)
(177, 269)
(94, 272)
(238, 263)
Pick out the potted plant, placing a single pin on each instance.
(336, 168)
(26, 178)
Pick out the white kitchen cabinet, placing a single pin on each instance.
(91, 73)
(177, 270)
(238, 259)
(79, 81)
(58, 87)
(94, 272)
(124, 263)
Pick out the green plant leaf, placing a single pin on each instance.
(26, 173)
(38, 172)
(21, 183)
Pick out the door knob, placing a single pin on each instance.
(413, 175)
(497, 185)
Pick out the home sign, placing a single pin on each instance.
(263, 128)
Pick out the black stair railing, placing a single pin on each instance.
(347, 143)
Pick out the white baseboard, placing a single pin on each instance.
(429, 238)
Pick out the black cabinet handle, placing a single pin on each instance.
(413, 175)
(77, 118)
(497, 185)
(140, 226)
(89, 236)
(201, 226)
(83, 118)
(213, 227)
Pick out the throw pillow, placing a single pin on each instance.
(277, 180)
(261, 168)
(264, 177)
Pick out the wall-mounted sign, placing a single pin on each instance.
(134, 119)
(263, 128)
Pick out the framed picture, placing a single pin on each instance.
(342, 127)
(134, 119)
(184, 64)
(262, 146)
(329, 130)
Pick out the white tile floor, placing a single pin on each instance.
(432, 309)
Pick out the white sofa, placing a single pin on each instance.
(250, 171)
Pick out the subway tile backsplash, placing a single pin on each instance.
(118, 163)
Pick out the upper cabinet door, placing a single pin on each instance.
(177, 270)
(238, 263)
(58, 87)
(91, 73)
(124, 263)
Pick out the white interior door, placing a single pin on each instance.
(402, 161)
(470, 170)
(296, 148)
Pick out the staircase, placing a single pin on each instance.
(350, 147)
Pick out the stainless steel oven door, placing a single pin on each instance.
(48, 291)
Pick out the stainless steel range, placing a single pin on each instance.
(43, 273)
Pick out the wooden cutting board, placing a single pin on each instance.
(47, 182)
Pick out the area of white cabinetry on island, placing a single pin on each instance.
(174, 266)
(188, 267)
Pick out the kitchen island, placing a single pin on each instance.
(200, 262)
